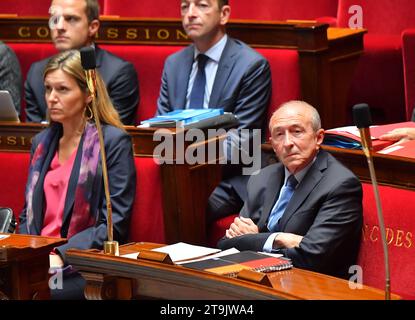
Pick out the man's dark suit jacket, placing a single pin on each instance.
(122, 175)
(119, 76)
(242, 86)
(326, 209)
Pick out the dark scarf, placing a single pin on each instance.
(81, 217)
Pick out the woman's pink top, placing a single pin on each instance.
(55, 188)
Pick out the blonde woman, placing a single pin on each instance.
(64, 192)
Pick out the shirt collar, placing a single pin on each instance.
(300, 174)
(214, 53)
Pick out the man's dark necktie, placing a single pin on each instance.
(278, 210)
(197, 95)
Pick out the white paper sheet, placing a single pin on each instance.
(184, 251)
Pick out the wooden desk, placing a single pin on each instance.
(327, 56)
(24, 266)
(390, 170)
(110, 277)
(183, 205)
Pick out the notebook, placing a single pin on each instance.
(7, 109)
(231, 264)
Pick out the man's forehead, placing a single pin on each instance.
(65, 7)
(290, 118)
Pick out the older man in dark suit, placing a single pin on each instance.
(234, 77)
(74, 24)
(307, 207)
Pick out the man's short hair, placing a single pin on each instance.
(92, 10)
(314, 115)
(223, 3)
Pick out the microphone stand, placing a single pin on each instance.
(110, 246)
(367, 149)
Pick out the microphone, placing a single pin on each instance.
(362, 120)
(89, 64)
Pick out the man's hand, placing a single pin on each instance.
(400, 134)
(287, 240)
(241, 226)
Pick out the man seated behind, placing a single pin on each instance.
(217, 71)
(319, 227)
(74, 24)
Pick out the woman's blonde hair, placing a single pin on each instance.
(70, 63)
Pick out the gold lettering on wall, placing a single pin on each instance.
(24, 32)
(394, 237)
(131, 34)
(112, 33)
(12, 140)
(180, 35)
(163, 34)
(22, 141)
(399, 235)
(408, 238)
(389, 236)
(147, 31)
(42, 32)
(374, 237)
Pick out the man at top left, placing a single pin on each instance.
(74, 24)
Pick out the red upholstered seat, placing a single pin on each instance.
(13, 175)
(241, 9)
(25, 7)
(147, 221)
(217, 229)
(148, 8)
(29, 8)
(147, 216)
(149, 63)
(27, 53)
(285, 72)
(379, 76)
(398, 210)
(283, 10)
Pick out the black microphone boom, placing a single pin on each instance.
(361, 116)
(88, 62)
(362, 120)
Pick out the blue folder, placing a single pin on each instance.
(182, 117)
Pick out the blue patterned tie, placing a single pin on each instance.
(197, 96)
(279, 208)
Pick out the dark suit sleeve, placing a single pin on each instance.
(253, 209)
(163, 104)
(124, 93)
(33, 112)
(335, 228)
(254, 94)
(10, 75)
(122, 180)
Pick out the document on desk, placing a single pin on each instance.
(4, 236)
(211, 256)
(184, 251)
